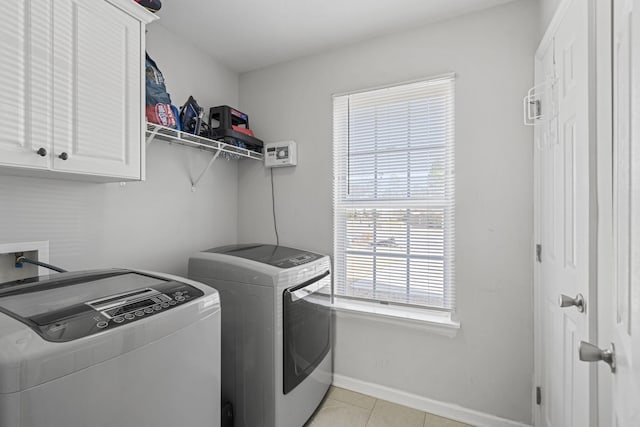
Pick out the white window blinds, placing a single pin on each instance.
(394, 194)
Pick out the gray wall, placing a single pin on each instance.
(154, 224)
(547, 10)
(488, 367)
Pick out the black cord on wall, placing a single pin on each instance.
(273, 205)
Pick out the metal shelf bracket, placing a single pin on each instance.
(151, 135)
(172, 136)
(194, 184)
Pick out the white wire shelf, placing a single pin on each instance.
(173, 136)
(184, 138)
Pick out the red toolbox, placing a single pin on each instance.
(232, 127)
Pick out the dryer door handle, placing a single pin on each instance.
(309, 287)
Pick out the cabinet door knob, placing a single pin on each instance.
(63, 156)
(42, 151)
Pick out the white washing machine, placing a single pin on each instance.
(276, 330)
(109, 348)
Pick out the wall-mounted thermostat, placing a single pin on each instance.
(279, 154)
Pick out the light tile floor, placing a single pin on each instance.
(344, 408)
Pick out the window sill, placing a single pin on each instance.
(434, 321)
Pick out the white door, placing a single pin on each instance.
(25, 87)
(626, 217)
(97, 91)
(563, 222)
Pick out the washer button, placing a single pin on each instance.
(165, 304)
(157, 307)
(102, 324)
(118, 319)
(178, 294)
(139, 313)
(172, 302)
(179, 299)
(129, 316)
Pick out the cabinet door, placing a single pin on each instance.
(97, 89)
(25, 83)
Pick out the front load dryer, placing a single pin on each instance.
(276, 330)
(109, 348)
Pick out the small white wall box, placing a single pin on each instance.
(280, 154)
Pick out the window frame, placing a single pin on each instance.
(341, 204)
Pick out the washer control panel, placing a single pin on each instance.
(113, 311)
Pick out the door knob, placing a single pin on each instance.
(63, 156)
(578, 301)
(590, 353)
(41, 151)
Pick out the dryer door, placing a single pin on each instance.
(307, 328)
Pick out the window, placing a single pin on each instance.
(394, 194)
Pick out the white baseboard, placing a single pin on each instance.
(435, 407)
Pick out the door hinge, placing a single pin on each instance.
(539, 253)
(537, 108)
(538, 395)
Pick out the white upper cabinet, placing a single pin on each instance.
(97, 86)
(73, 71)
(25, 83)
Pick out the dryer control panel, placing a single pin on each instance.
(278, 256)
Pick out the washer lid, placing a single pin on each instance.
(28, 359)
(69, 306)
(278, 256)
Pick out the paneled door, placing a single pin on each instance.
(563, 221)
(625, 315)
